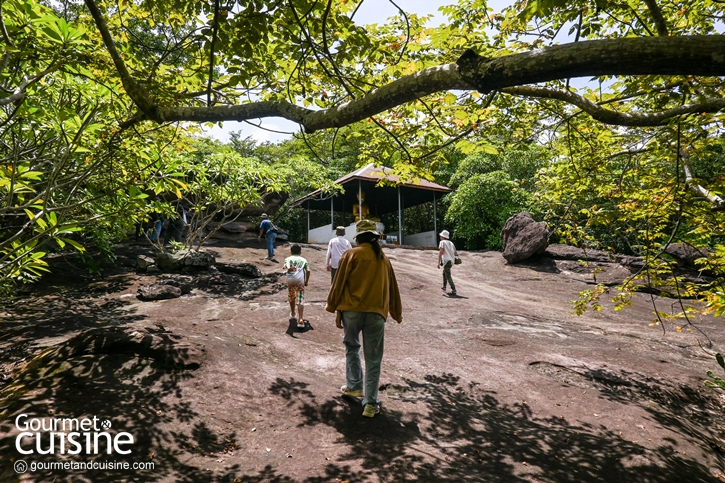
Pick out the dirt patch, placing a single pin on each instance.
(500, 384)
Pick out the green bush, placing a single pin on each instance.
(482, 204)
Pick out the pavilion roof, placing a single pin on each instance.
(381, 199)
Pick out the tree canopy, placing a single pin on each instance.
(98, 100)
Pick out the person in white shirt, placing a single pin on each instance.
(447, 254)
(335, 249)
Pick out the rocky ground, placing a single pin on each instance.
(499, 384)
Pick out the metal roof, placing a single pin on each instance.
(380, 199)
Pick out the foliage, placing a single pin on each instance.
(481, 206)
(54, 143)
(490, 189)
(70, 177)
(521, 162)
(716, 382)
(219, 182)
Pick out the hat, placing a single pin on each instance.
(264, 215)
(367, 226)
(445, 234)
(340, 230)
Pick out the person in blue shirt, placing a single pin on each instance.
(268, 230)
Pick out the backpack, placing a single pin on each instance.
(273, 227)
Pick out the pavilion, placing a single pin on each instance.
(384, 198)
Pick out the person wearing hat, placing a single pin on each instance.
(363, 293)
(335, 249)
(446, 257)
(268, 230)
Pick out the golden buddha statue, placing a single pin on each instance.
(362, 206)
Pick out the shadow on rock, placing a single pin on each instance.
(128, 376)
(456, 432)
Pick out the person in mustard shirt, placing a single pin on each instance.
(362, 295)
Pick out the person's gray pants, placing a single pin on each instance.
(447, 275)
(372, 326)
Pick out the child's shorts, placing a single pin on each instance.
(296, 293)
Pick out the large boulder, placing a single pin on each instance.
(238, 226)
(685, 254)
(184, 260)
(523, 237)
(567, 252)
(271, 204)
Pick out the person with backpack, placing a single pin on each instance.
(269, 230)
(298, 276)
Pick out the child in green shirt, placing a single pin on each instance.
(298, 275)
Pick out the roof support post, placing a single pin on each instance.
(332, 212)
(435, 217)
(359, 199)
(400, 218)
(308, 222)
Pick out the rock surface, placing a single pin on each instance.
(502, 383)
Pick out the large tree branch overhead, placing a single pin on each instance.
(694, 55)
(690, 55)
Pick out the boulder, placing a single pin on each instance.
(523, 237)
(238, 226)
(158, 291)
(685, 254)
(244, 269)
(271, 203)
(566, 252)
(143, 263)
(181, 282)
(184, 260)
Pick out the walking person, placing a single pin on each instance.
(363, 293)
(335, 249)
(157, 224)
(447, 254)
(298, 276)
(175, 230)
(269, 231)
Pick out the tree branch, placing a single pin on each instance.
(613, 117)
(135, 91)
(17, 95)
(687, 55)
(215, 30)
(405, 89)
(659, 20)
(717, 202)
